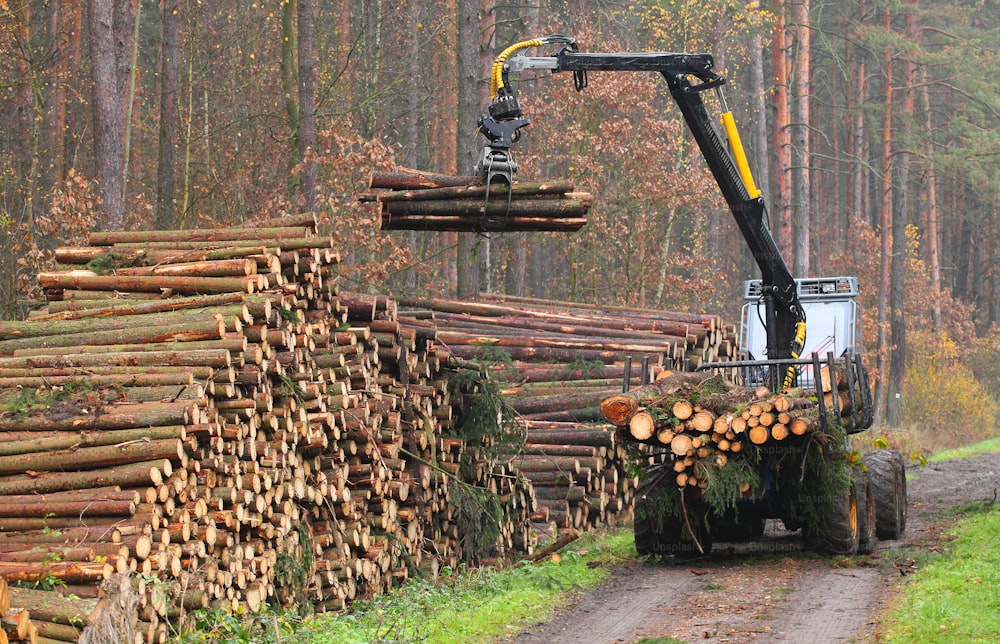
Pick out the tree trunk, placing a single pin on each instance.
(290, 89)
(885, 225)
(897, 363)
(170, 60)
(931, 243)
(470, 102)
(111, 28)
(781, 184)
(801, 160)
(307, 99)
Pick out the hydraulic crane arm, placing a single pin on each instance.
(687, 76)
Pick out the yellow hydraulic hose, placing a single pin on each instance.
(739, 155)
(496, 73)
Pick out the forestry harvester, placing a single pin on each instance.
(843, 504)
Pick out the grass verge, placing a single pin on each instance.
(989, 446)
(953, 596)
(479, 604)
(468, 605)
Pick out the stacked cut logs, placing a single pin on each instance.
(700, 421)
(580, 470)
(206, 415)
(412, 200)
(217, 425)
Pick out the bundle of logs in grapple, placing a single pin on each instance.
(699, 421)
(412, 200)
(207, 414)
(555, 362)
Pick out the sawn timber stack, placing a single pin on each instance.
(412, 200)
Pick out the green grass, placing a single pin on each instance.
(953, 597)
(471, 605)
(989, 446)
(477, 604)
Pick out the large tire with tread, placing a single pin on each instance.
(887, 472)
(837, 532)
(867, 538)
(660, 533)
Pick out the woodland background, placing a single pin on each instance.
(871, 126)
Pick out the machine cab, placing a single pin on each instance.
(833, 324)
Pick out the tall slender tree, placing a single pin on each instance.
(470, 100)
(170, 60)
(307, 103)
(801, 158)
(885, 233)
(111, 29)
(780, 169)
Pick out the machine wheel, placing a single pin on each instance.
(838, 529)
(887, 472)
(867, 539)
(660, 533)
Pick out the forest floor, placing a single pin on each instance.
(770, 590)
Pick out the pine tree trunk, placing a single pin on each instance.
(170, 60)
(782, 129)
(801, 158)
(885, 223)
(111, 24)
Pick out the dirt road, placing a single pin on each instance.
(772, 592)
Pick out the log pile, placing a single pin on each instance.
(412, 200)
(701, 422)
(207, 415)
(209, 409)
(564, 359)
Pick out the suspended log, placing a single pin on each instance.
(466, 223)
(472, 192)
(406, 179)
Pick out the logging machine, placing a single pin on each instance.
(773, 330)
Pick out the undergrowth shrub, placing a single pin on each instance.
(943, 398)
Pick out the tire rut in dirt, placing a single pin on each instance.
(829, 605)
(635, 594)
